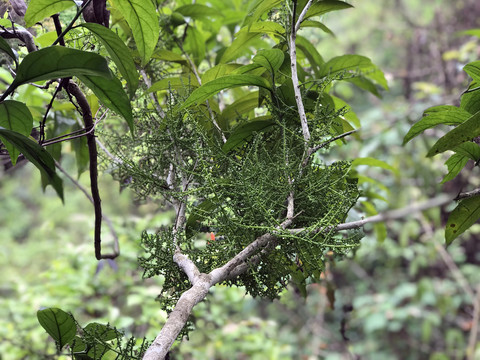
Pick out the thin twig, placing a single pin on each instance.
(467, 194)
(296, 87)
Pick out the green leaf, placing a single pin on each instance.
(373, 162)
(466, 131)
(110, 93)
(198, 11)
(218, 71)
(226, 82)
(241, 106)
(350, 114)
(37, 155)
(473, 32)
(58, 62)
(462, 218)
(8, 50)
(173, 83)
(380, 228)
(470, 100)
(38, 10)
(318, 25)
(354, 64)
(58, 324)
(167, 55)
(473, 69)
(15, 116)
(365, 84)
(469, 149)
(195, 44)
(270, 59)
(244, 38)
(141, 16)
(447, 115)
(455, 164)
(244, 131)
(259, 8)
(101, 332)
(311, 53)
(119, 52)
(325, 6)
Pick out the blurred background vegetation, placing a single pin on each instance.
(401, 295)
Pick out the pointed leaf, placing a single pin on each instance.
(218, 71)
(325, 6)
(226, 82)
(455, 164)
(38, 10)
(462, 218)
(270, 59)
(241, 106)
(473, 69)
(119, 53)
(110, 93)
(15, 116)
(7, 49)
(466, 131)
(244, 131)
(58, 324)
(37, 155)
(447, 115)
(173, 83)
(310, 52)
(167, 55)
(198, 11)
(57, 62)
(317, 24)
(141, 16)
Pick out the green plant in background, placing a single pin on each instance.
(462, 141)
(233, 144)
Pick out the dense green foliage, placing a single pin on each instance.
(219, 139)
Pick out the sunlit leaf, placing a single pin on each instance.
(176, 82)
(119, 53)
(241, 106)
(446, 114)
(195, 44)
(37, 155)
(325, 6)
(466, 131)
(57, 62)
(15, 116)
(167, 55)
(226, 82)
(244, 131)
(142, 18)
(110, 93)
(198, 11)
(462, 218)
(218, 71)
(38, 10)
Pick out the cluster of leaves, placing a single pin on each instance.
(94, 341)
(463, 141)
(237, 163)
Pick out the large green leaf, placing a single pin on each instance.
(244, 131)
(198, 11)
(462, 217)
(38, 10)
(7, 49)
(470, 100)
(473, 69)
(244, 38)
(241, 106)
(142, 18)
(445, 114)
(167, 55)
(15, 116)
(110, 93)
(57, 62)
(37, 155)
(58, 324)
(218, 71)
(455, 164)
(354, 64)
(311, 53)
(177, 82)
(373, 162)
(195, 44)
(317, 24)
(226, 82)
(466, 131)
(270, 59)
(119, 53)
(325, 6)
